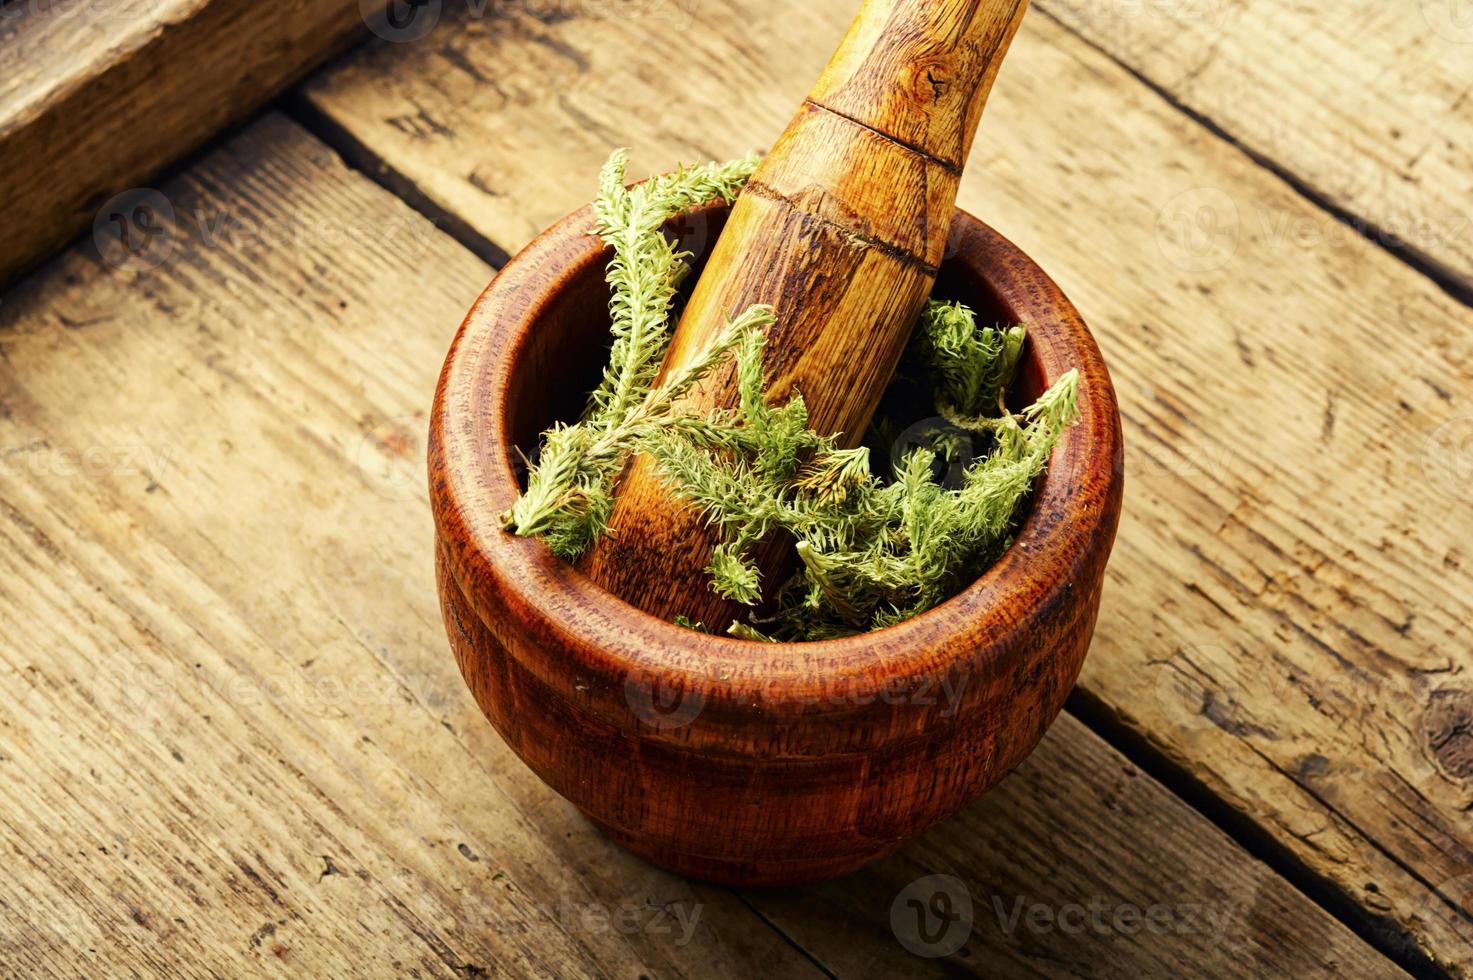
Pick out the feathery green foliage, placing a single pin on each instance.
(873, 551)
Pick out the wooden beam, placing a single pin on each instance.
(96, 97)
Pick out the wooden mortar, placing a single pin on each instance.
(841, 230)
(750, 763)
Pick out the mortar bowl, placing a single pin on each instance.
(732, 761)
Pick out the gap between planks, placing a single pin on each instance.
(1279, 579)
(1382, 935)
(1389, 940)
(310, 434)
(359, 157)
(1449, 280)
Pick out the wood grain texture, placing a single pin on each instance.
(840, 231)
(1364, 103)
(920, 73)
(1153, 895)
(233, 740)
(96, 97)
(1286, 613)
(756, 763)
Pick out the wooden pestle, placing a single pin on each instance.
(841, 230)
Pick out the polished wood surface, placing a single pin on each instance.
(749, 763)
(841, 230)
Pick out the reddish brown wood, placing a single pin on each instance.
(742, 762)
(841, 231)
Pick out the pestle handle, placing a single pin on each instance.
(920, 72)
(841, 230)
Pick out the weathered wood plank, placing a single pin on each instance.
(1287, 613)
(1365, 103)
(237, 738)
(97, 96)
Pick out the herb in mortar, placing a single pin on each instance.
(873, 551)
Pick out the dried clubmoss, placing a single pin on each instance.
(873, 551)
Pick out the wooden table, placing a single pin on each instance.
(233, 739)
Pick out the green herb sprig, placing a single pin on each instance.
(872, 552)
